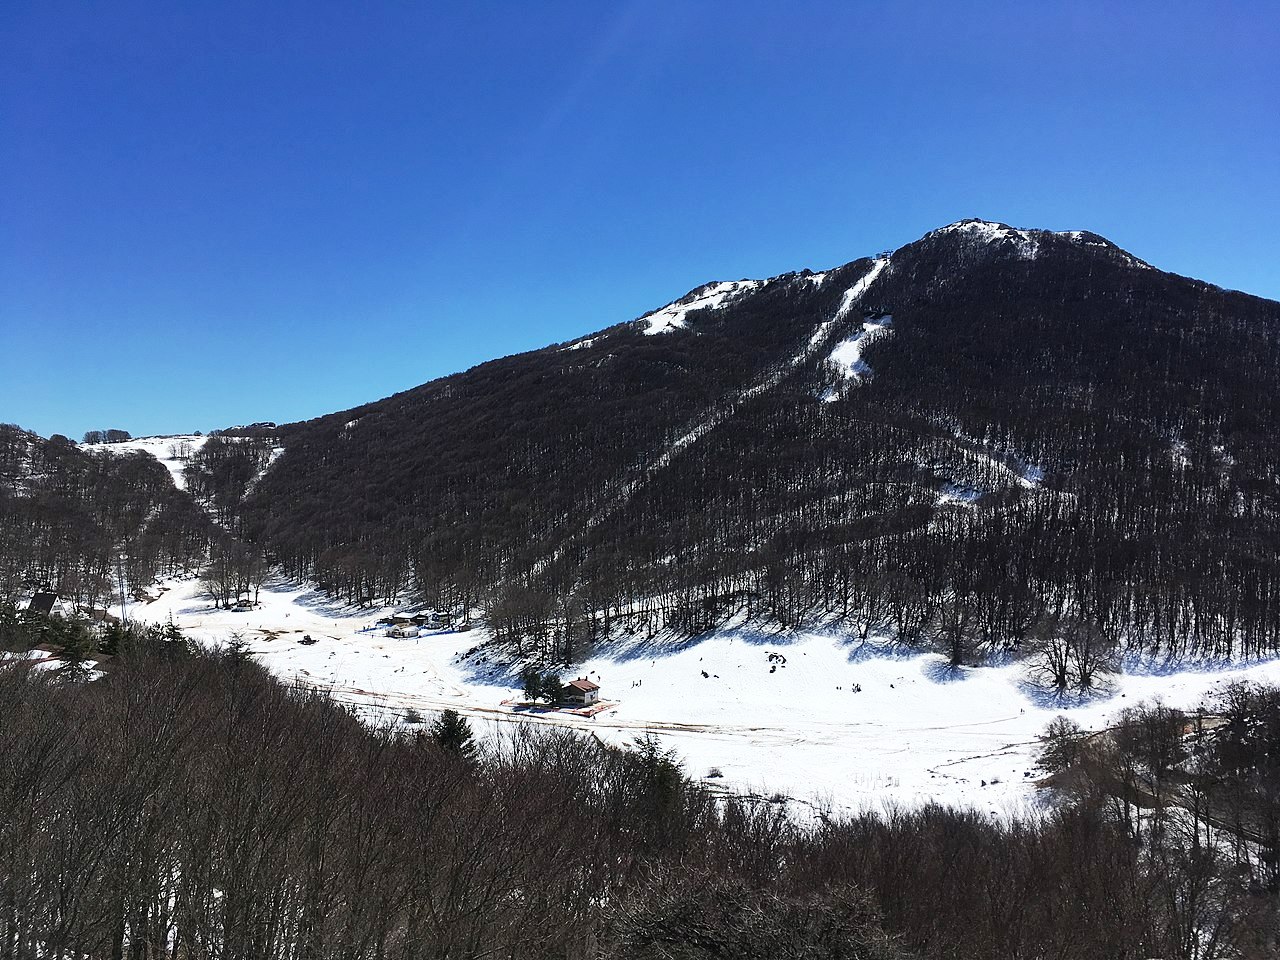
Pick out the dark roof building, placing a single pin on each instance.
(42, 603)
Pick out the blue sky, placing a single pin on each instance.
(213, 213)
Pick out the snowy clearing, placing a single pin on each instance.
(173, 452)
(712, 296)
(816, 717)
(846, 357)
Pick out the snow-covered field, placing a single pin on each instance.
(840, 723)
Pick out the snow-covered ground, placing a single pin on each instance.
(712, 296)
(841, 723)
(846, 357)
(170, 451)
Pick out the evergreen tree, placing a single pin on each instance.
(13, 633)
(537, 685)
(113, 639)
(531, 679)
(451, 731)
(551, 686)
(237, 650)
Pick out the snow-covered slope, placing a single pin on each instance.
(172, 451)
(711, 296)
(814, 717)
(847, 355)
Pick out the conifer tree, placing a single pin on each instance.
(451, 731)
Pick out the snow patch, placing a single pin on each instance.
(847, 355)
(172, 452)
(713, 296)
(1028, 476)
(985, 231)
(954, 493)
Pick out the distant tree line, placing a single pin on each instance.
(88, 524)
(106, 436)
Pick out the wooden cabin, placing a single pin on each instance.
(581, 692)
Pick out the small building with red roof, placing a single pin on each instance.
(581, 691)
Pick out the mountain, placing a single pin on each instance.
(985, 437)
(954, 441)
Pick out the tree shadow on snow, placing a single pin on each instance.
(878, 648)
(1048, 697)
(628, 648)
(940, 671)
(315, 600)
(1140, 664)
(477, 668)
(760, 637)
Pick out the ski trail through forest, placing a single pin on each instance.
(725, 410)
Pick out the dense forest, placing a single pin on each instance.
(1046, 440)
(1042, 443)
(190, 805)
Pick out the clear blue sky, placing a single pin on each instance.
(213, 213)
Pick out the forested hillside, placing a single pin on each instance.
(82, 523)
(988, 435)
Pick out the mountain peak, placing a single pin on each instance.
(1027, 244)
(969, 240)
(975, 225)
